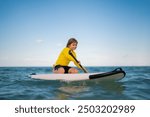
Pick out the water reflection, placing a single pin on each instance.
(112, 86)
(73, 89)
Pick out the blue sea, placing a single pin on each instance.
(15, 84)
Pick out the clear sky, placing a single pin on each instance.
(109, 32)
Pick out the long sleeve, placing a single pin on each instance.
(65, 58)
(71, 58)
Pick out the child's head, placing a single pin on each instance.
(72, 43)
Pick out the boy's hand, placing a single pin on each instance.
(79, 62)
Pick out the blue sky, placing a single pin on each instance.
(109, 32)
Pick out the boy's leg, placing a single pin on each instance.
(59, 70)
(72, 71)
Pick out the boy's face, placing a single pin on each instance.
(73, 46)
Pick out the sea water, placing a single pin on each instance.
(15, 84)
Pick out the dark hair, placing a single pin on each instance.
(70, 41)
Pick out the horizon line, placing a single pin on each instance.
(90, 66)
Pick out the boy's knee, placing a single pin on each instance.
(61, 70)
(73, 71)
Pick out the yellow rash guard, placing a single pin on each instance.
(65, 58)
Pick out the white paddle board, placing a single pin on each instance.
(115, 74)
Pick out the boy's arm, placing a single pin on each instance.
(71, 58)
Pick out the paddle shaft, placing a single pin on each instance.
(85, 71)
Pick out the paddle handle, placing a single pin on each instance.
(85, 71)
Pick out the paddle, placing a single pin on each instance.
(85, 71)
